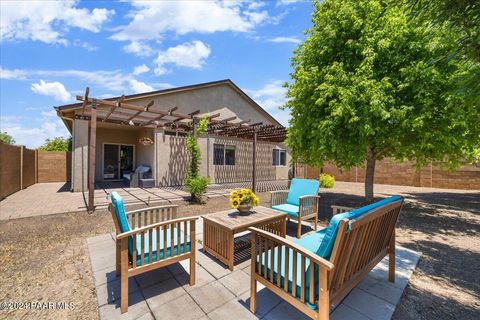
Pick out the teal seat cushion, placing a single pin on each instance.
(300, 188)
(266, 259)
(326, 247)
(171, 247)
(117, 203)
(290, 209)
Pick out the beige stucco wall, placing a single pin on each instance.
(80, 155)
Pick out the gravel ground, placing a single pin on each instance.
(45, 259)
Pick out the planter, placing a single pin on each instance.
(244, 209)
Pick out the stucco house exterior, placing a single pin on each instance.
(119, 146)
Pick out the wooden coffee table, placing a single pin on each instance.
(219, 229)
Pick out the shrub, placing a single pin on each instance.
(197, 187)
(327, 181)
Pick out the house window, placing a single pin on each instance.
(223, 155)
(218, 154)
(230, 155)
(279, 157)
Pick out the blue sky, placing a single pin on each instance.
(50, 51)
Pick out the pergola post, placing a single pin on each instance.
(91, 157)
(254, 156)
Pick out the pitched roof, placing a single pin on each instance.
(228, 82)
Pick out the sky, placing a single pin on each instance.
(51, 51)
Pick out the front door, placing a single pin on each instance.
(117, 160)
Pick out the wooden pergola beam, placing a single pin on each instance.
(117, 105)
(87, 91)
(91, 157)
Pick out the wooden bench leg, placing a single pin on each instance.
(253, 292)
(391, 259)
(316, 221)
(124, 277)
(192, 270)
(324, 296)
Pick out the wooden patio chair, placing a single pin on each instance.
(300, 202)
(316, 272)
(149, 239)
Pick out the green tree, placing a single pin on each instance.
(368, 83)
(57, 144)
(195, 183)
(6, 138)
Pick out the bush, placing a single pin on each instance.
(327, 181)
(197, 186)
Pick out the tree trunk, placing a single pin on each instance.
(369, 174)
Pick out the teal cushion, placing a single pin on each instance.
(312, 241)
(300, 188)
(328, 240)
(117, 203)
(291, 209)
(151, 255)
(298, 281)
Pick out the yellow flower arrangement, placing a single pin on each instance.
(243, 196)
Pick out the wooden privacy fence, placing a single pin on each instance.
(390, 172)
(21, 167)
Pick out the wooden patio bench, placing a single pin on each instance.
(316, 272)
(149, 239)
(300, 202)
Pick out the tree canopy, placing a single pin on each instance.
(370, 82)
(6, 138)
(57, 144)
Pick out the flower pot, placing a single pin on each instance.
(244, 209)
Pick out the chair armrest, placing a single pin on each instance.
(277, 240)
(340, 209)
(155, 225)
(308, 205)
(146, 216)
(278, 197)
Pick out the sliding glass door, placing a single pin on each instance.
(117, 160)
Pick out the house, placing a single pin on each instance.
(123, 137)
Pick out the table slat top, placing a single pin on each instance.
(231, 219)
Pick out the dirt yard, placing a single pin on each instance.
(45, 259)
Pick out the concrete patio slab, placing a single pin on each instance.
(221, 294)
(53, 198)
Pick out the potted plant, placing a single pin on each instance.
(243, 200)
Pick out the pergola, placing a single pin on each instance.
(119, 112)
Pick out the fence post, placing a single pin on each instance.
(21, 167)
(36, 167)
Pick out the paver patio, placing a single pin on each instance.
(221, 294)
(53, 198)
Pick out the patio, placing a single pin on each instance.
(54, 198)
(222, 294)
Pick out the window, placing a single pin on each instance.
(230, 155)
(218, 154)
(279, 157)
(223, 155)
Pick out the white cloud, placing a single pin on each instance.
(140, 87)
(140, 69)
(284, 40)
(47, 21)
(138, 48)
(54, 89)
(50, 127)
(271, 97)
(190, 54)
(288, 2)
(151, 19)
(16, 74)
